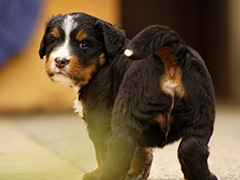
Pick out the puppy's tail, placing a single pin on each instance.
(158, 40)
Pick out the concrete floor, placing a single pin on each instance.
(57, 147)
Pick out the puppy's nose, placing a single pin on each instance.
(61, 62)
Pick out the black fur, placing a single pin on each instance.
(124, 97)
(152, 38)
(113, 38)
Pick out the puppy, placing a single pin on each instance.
(156, 93)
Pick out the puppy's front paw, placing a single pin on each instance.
(94, 175)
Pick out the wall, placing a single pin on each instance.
(234, 48)
(24, 85)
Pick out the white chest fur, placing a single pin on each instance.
(77, 105)
(78, 108)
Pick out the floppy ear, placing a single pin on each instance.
(113, 38)
(42, 49)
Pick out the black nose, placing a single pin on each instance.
(61, 62)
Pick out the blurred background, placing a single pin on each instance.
(211, 27)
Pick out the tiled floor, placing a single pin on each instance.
(57, 147)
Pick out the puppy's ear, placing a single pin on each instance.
(42, 49)
(113, 38)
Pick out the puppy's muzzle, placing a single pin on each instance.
(61, 62)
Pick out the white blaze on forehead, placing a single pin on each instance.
(68, 26)
(63, 51)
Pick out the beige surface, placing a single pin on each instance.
(22, 157)
(57, 146)
(24, 85)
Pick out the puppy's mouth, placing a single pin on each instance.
(60, 75)
(73, 72)
(57, 70)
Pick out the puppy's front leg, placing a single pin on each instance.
(100, 149)
(99, 128)
(119, 155)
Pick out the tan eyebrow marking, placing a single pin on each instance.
(81, 35)
(55, 33)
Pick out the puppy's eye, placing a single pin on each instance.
(83, 45)
(53, 40)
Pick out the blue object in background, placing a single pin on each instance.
(17, 19)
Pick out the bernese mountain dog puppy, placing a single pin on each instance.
(136, 95)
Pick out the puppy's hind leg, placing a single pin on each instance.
(193, 154)
(141, 164)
